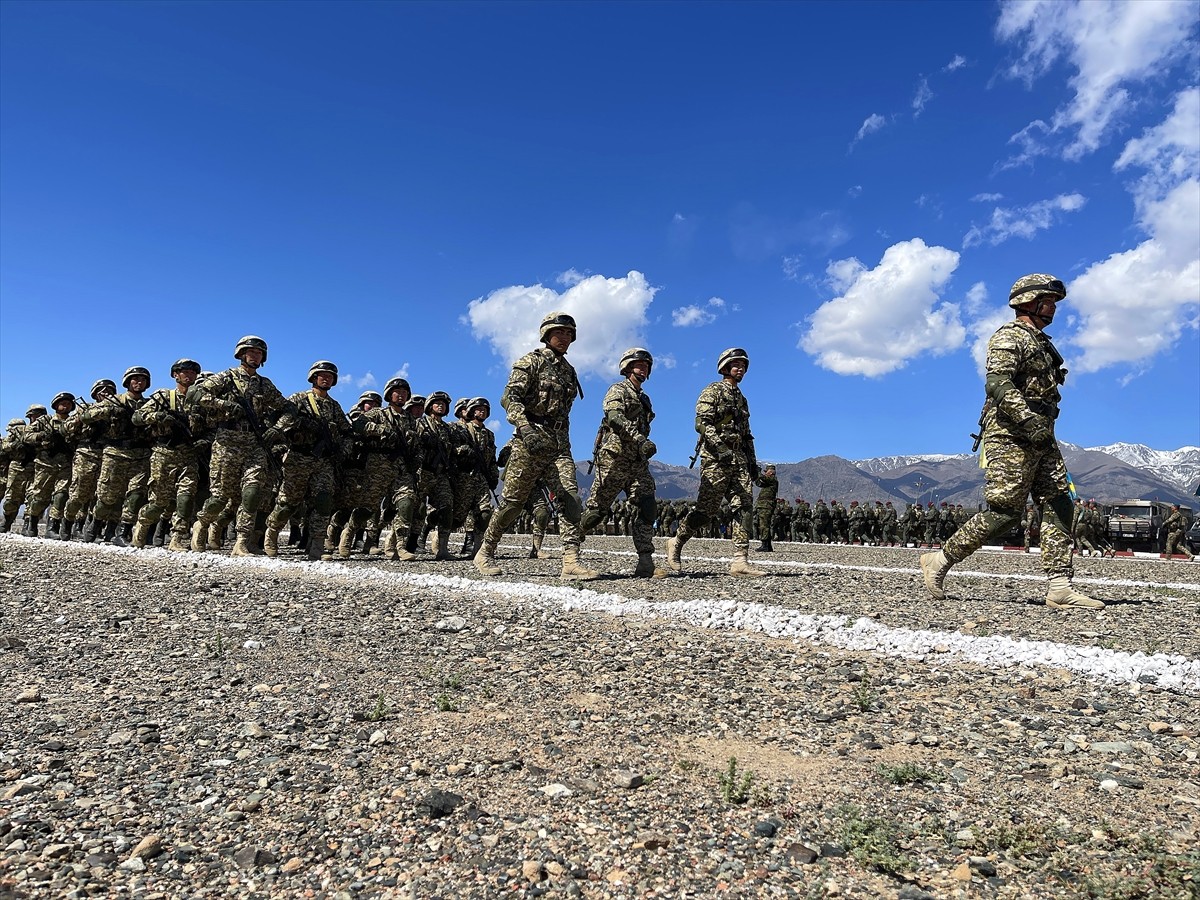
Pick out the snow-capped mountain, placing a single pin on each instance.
(880, 464)
(1180, 468)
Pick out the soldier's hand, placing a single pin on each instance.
(536, 441)
(724, 455)
(1038, 429)
(649, 448)
(230, 410)
(755, 471)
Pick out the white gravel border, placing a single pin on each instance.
(1173, 672)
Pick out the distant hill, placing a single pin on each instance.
(1180, 468)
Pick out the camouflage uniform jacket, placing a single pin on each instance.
(1175, 523)
(116, 415)
(49, 437)
(316, 426)
(438, 445)
(168, 415)
(485, 449)
(723, 420)
(540, 392)
(1024, 356)
(770, 490)
(220, 399)
(397, 438)
(627, 417)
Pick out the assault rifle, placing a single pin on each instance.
(256, 426)
(978, 437)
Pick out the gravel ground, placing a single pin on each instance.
(187, 725)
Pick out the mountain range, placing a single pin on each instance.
(1108, 474)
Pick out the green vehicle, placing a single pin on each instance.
(1137, 524)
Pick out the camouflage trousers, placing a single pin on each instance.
(765, 520)
(628, 472)
(174, 474)
(51, 481)
(718, 481)
(1176, 543)
(1015, 470)
(556, 468)
(307, 480)
(121, 489)
(433, 489)
(19, 477)
(473, 503)
(537, 508)
(363, 490)
(85, 474)
(239, 480)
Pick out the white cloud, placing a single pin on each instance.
(401, 372)
(1139, 302)
(1022, 221)
(976, 297)
(695, 316)
(922, 96)
(367, 381)
(982, 329)
(886, 315)
(610, 313)
(571, 277)
(666, 360)
(854, 191)
(349, 383)
(1112, 45)
(792, 267)
(871, 124)
(987, 198)
(955, 64)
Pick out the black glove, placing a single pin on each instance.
(649, 448)
(492, 481)
(536, 441)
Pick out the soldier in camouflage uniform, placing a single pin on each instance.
(486, 474)
(888, 524)
(1031, 525)
(622, 455)
(728, 463)
(1100, 530)
(538, 398)
(243, 406)
(1081, 529)
(174, 465)
(398, 480)
(50, 437)
(855, 519)
(20, 467)
(319, 437)
(765, 508)
(1175, 525)
(1024, 371)
(88, 438)
(125, 463)
(442, 450)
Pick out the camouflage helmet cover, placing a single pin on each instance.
(322, 365)
(460, 406)
(554, 320)
(16, 423)
(250, 340)
(185, 365)
(1030, 287)
(394, 385)
(132, 372)
(414, 400)
(371, 396)
(632, 355)
(475, 402)
(729, 356)
(438, 396)
(102, 384)
(35, 410)
(62, 397)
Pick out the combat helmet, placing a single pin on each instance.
(556, 320)
(184, 365)
(35, 411)
(396, 384)
(475, 402)
(322, 365)
(460, 407)
(132, 372)
(415, 400)
(632, 355)
(15, 423)
(1030, 287)
(371, 396)
(250, 340)
(62, 397)
(729, 356)
(101, 385)
(438, 396)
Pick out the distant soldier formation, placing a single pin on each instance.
(225, 457)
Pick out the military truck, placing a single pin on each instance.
(1137, 525)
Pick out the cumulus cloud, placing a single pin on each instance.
(610, 313)
(976, 297)
(694, 316)
(987, 198)
(981, 329)
(1139, 302)
(922, 96)
(1112, 45)
(666, 360)
(886, 315)
(401, 372)
(1023, 221)
(854, 191)
(570, 277)
(870, 125)
(955, 64)
(350, 384)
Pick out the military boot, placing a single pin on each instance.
(241, 547)
(140, 533)
(646, 568)
(199, 537)
(572, 568)
(485, 558)
(112, 533)
(535, 552)
(271, 541)
(179, 543)
(370, 545)
(934, 567)
(741, 566)
(441, 545)
(216, 536)
(470, 545)
(54, 529)
(675, 553)
(161, 530)
(1061, 595)
(30, 528)
(6, 522)
(765, 546)
(345, 543)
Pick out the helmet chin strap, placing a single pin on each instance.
(1036, 312)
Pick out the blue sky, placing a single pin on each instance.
(848, 190)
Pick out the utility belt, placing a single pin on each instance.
(129, 444)
(548, 423)
(174, 442)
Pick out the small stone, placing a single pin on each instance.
(533, 870)
(7, 642)
(252, 645)
(137, 864)
(1109, 785)
(802, 854)
(292, 865)
(30, 695)
(623, 778)
(652, 841)
(452, 624)
(556, 790)
(962, 872)
(377, 737)
(56, 851)
(119, 738)
(982, 865)
(765, 828)
(1159, 727)
(148, 847)
(437, 804)
(833, 851)
(253, 858)
(966, 837)
(1112, 747)
(912, 892)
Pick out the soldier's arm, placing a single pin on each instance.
(706, 422)
(1004, 358)
(615, 418)
(515, 392)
